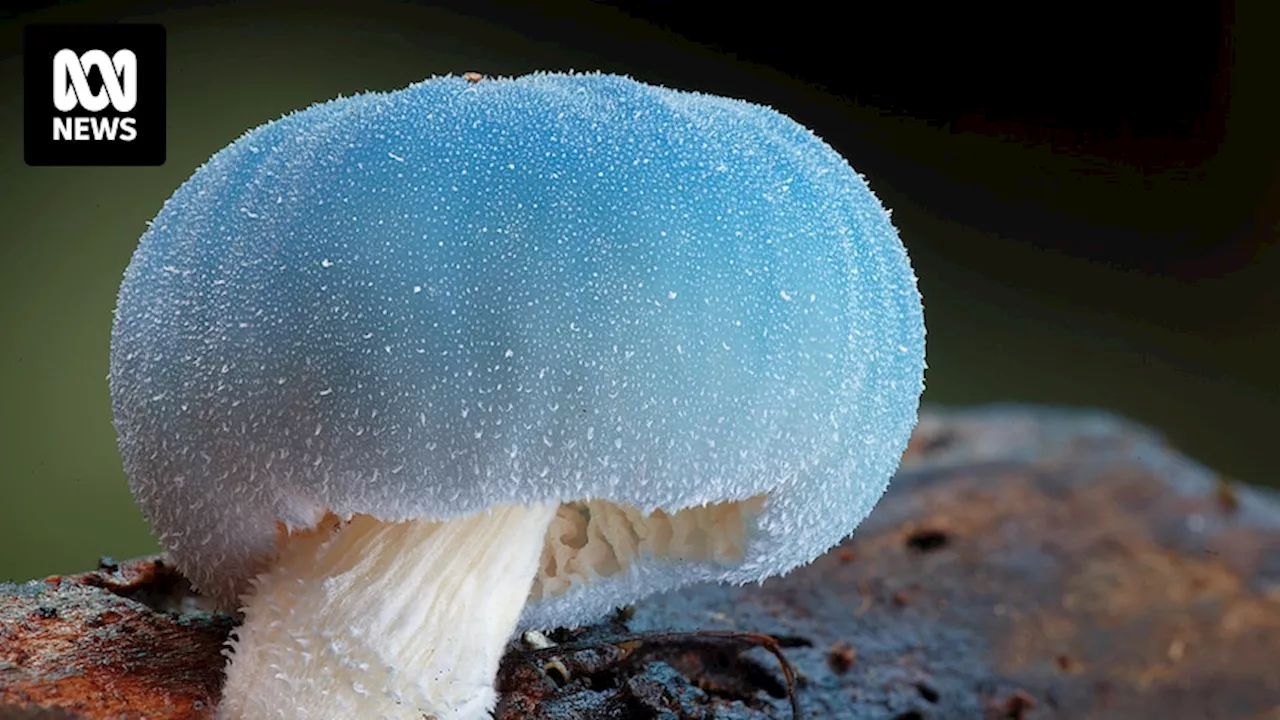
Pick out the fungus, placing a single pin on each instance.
(402, 374)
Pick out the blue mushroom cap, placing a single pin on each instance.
(558, 287)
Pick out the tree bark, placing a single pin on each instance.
(1026, 563)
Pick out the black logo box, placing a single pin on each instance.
(41, 43)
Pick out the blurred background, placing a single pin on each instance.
(1091, 200)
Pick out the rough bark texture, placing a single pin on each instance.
(1026, 563)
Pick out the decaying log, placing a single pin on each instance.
(1026, 563)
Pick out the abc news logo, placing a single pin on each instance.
(71, 90)
(94, 95)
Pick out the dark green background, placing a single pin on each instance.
(1190, 348)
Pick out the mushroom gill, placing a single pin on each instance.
(598, 538)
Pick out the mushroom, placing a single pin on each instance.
(403, 373)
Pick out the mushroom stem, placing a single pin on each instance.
(386, 620)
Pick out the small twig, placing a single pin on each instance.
(631, 643)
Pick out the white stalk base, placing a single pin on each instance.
(386, 620)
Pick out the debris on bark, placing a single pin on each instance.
(1026, 563)
(127, 640)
